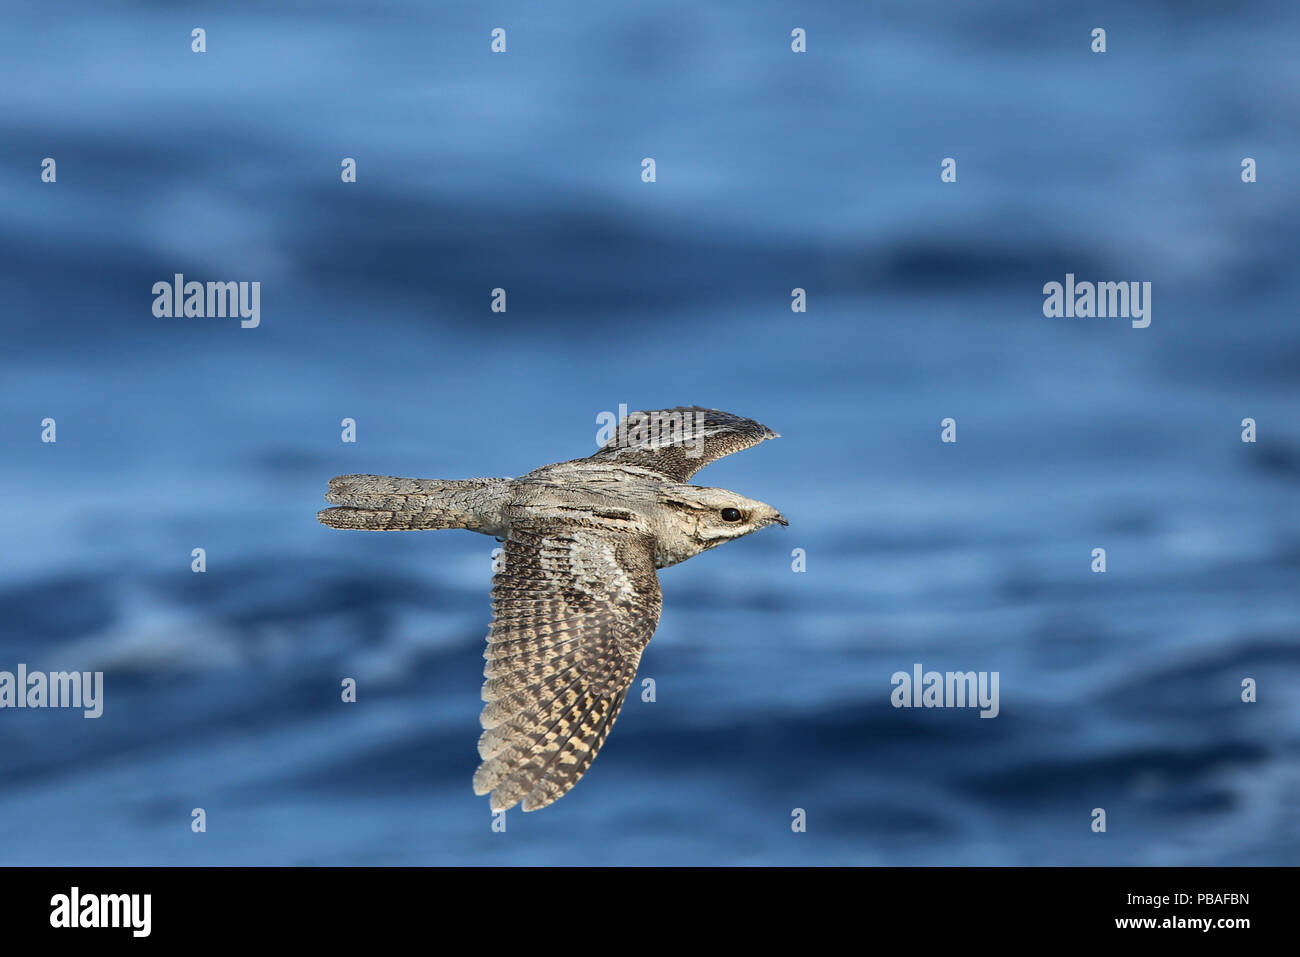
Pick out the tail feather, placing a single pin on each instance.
(387, 502)
(344, 516)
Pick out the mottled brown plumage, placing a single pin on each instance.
(577, 598)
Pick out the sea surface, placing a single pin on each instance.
(774, 171)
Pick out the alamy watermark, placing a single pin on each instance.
(652, 430)
(129, 911)
(950, 689)
(1098, 300)
(213, 300)
(54, 689)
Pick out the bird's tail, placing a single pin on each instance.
(386, 502)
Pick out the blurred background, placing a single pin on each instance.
(775, 170)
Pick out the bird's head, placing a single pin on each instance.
(697, 519)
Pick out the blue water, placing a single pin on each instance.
(774, 170)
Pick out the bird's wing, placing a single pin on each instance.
(679, 442)
(573, 608)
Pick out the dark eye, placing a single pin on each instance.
(731, 515)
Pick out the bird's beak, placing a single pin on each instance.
(777, 519)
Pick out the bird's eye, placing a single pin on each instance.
(731, 515)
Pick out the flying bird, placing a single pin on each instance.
(577, 597)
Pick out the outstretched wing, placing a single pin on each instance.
(679, 442)
(573, 608)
